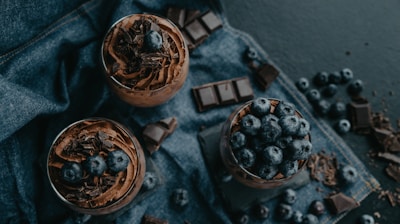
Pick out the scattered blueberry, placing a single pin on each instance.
(261, 106)
(149, 181)
(153, 41)
(288, 167)
(238, 140)
(284, 212)
(299, 149)
(322, 107)
(338, 109)
(272, 155)
(346, 74)
(335, 78)
(261, 211)
(304, 128)
(284, 109)
(330, 90)
(317, 208)
(343, 126)
(180, 197)
(267, 171)
(313, 96)
(95, 165)
(310, 219)
(251, 54)
(283, 141)
(355, 87)
(321, 78)
(224, 175)
(289, 196)
(289, 124)
(117, 160)
(71, 172)
(348, 174)
(366, 219)
(297, 217)
(303, 84)
(246, 157)
(270, 131)
(241, 218)
(250, 124)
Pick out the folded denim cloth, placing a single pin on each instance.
(51, 76)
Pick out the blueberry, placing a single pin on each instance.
(272, 155)
(343, 126)
(335, 78)
(246, 157)
(268, 118)
(224, 175)
(330, 90)
(299, 149)
(240, 218)
(366, 219)
(355, 87)
(288, 167)
(304, 128)
(95, 165)
(117, 160)
(250, 124)
(266, 171)
(251, 54)
(317, 208)
(310, 219)
(302, 84)
(284, 141)
(284, 109)
(149, 181)
(270, 131)
(289, 124)
(321, 78)
(71, 172)
(180, 197)
(313, 96)
(238, 140)
(153, 41)
(346, 74)
(337, 109)
(348, 174)
(260, 106)
(284, 212)
(297, 217)
(261, 211)
(257, 144)
(322, 107)
(289, 196)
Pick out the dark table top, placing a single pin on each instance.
(305, 37)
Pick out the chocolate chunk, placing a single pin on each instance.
(177, 16)
(340, 202)
(147, 219)
(224, 92)
(266, 74)
(155, 133)
(393, 171)
(191, 15)
(196, 31)
(389, 156)
(360, 116)
(211, 21)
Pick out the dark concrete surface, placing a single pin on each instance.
(305, 37)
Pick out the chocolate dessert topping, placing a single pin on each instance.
(323, 168)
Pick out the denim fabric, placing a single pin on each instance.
(51, 76)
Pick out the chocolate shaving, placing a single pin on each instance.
(147, 219)
(389, 156)
(323, 168)
(393, 171)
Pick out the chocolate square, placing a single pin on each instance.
(191, 15)
(207, 97)
(196, 31)
(226, 93)
(360, 116)
(266, 74)
(243, 88)
(211, 21)
(177, 16)
(153, 133)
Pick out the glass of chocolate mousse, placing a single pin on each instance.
(145, 58)
(96, 166)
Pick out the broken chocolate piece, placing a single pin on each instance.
(177, 16)
(147, 219)
(191, 15)
(224, 92)
(393, 171)
(360, 115)
(155, 133)
(266, 74)
(196, 32)
(211, 21)
(340, 202)
(389, 156)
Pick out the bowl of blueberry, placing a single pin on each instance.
(265, 142)
(96, 166)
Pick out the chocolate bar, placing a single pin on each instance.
(266, 74)
(360, 115)
(147, 219)
(211, 21)
(155, 133)
(224, 92)
(340, 202)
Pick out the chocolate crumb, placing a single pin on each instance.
(323, 168)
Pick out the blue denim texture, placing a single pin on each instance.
(51, 76)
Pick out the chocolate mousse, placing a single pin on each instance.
(146, 59)
(96, 166)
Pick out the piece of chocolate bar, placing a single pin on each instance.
(147, 219)
(360, 116)
(266, 74)
(177, 16)
(191, 15)
(340, 202)
(224, 92)
(196, 31)
(211, 21)
(155, 133)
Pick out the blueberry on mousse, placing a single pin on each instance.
(72, 172)
(153, 41)
(117, 161)
(95, 165)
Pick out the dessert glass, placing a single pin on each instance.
(96, 195)
(230, 162)
(140, 75)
